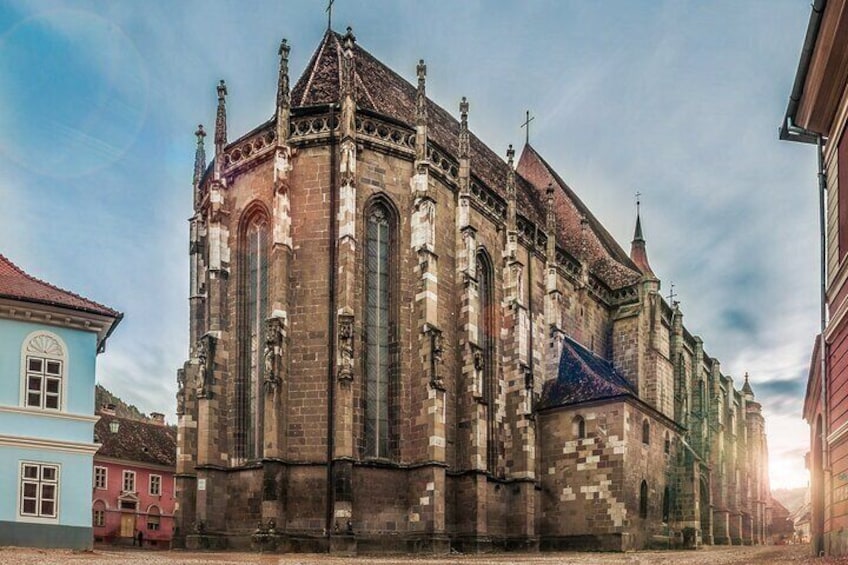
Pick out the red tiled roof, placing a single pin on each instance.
(605, 257)
(18, 285)
(140, 442)
(380, 89)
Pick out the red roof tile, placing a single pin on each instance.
(380, 89)
(605, 257)
(141, 442)
(18, 285)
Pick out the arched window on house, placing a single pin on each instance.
(44, 358)
(154, 517)
(98, 514)
(578, 427)
(646, 432)
(253, 311)
(667, 443)
(643, 500)
(380, 330)
(487, 341)
(666, 504)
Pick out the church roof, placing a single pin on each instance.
(583, 377)
(605, 257)
(136, 441)
(18, 285)
(382, 90)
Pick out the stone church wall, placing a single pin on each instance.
(650, 463)
(583, 488)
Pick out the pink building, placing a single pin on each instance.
(133, 487)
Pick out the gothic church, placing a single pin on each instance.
(402, 341)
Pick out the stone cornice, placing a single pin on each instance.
(56, 316)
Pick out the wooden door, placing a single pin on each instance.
(127, 525)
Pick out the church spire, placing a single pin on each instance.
(638, 251)
(220, 128)
(421, 113)
(464, 162)
(747, 390)
(283, 94)
(199, 156)
(347, 87)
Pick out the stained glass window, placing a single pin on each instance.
(254, 311)
(378, 333)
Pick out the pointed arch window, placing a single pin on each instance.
(251, 338)
(646, 432)
(486, 340)
(44, 361)
(578, 427)
(380, 329)
(643, 500)
(666, 504)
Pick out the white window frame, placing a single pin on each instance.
(46, 347)
(40, 481)
(128, 475)
(158, 485)
(98, 513)
(105, 476)
(156, 524)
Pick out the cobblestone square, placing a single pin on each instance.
(796, 554)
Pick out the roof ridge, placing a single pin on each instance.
(312, 66)
(37, 280)
(604, 237)
(623, 382)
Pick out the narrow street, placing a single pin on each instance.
(797, 554)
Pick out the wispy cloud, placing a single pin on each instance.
(678, 101)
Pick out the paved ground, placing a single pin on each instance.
(795, 554)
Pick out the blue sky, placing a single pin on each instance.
(678, 100)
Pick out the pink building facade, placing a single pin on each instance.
(133, 482)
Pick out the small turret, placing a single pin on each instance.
(199, 164)
(220, 128)
(199, 156)
(747, 391)
(283, 94)
(638, 252)
(421, 113)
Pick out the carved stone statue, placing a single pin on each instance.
(273, 354)
(181, 392)
(437, 350)
(202, 367)
(345, 330)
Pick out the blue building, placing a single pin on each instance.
(49, 339)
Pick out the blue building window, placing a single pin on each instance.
(44, 371)
(39, 490)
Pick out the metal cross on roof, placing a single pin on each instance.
(329, 11)
(638, 202)
(672, 295)
(526, 124)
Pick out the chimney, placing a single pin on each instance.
(158, 418)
